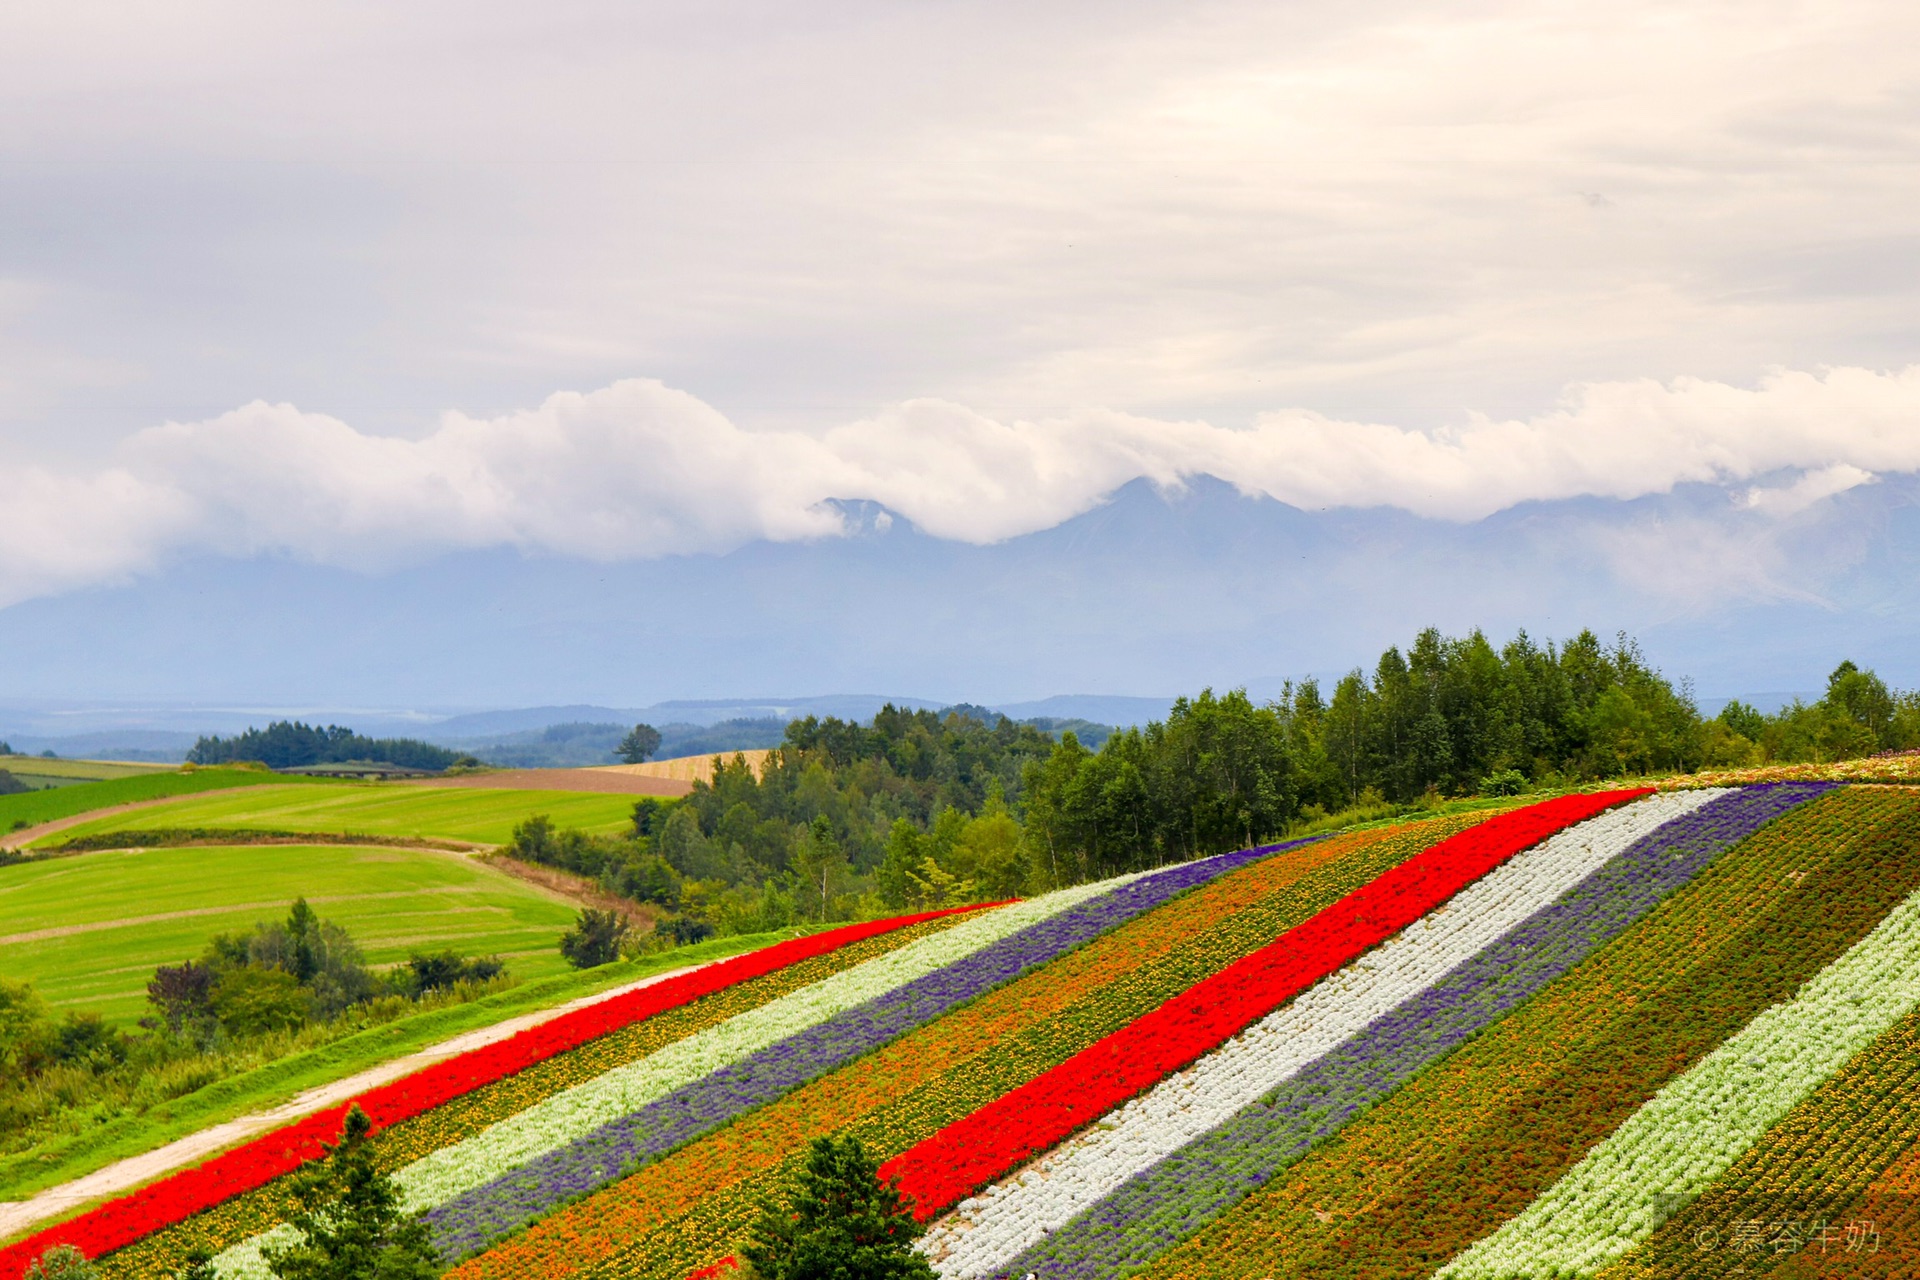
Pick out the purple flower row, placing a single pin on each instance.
(471, 1221)
(1162, 1205)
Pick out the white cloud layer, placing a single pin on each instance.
(638, 469)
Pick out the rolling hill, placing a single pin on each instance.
(1598, 1035)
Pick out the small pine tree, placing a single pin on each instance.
(349, 1214)
(62, 1262)
(838, 1222)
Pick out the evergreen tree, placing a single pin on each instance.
(838, 1222)
(349, 1213)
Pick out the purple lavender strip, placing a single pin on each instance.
(1163, 1205)
(469, 1222)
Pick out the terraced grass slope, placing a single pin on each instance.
(1612, 1035)
(87, 930)
(32, 808)
(403, 810)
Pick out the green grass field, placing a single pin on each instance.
(393, 901)
(35, 807)
(381, 809)
(65, 771)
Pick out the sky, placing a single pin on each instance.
(482, 354)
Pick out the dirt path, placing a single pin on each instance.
(26, 835)
(17, 1215)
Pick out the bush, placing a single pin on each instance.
(594, 939)
(435, 973)
(685, 932)
(1507, 782)
(250, 1000)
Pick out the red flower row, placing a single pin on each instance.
(1021, 1124)
(120, 1222)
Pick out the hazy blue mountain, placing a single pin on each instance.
(1148, 594)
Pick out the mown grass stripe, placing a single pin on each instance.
(1468, 1143)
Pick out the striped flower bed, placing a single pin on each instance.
(1471, 1141)
(473, 1175)
(1201, 1140)
(1692, 1130)
(1041, 1112)
(681, 1214)
(1554, 1040)
(1814, 1172)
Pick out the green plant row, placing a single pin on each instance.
(1802, 1178)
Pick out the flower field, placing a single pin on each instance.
(1623, 1034)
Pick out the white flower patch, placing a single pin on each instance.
(1688, 1134)
(573, 1113)
(991, 1229)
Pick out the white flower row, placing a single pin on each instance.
(991, 1229)
(573, 1113)
(1691, 1131)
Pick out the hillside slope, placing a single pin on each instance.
(1600, 1034)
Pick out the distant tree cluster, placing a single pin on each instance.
(289, 744)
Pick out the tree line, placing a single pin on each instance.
(921, 808)
(289, 744)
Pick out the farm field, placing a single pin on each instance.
(402, 810)
(1600, 1035)
(34, 807)
(43, 771)
(116, 915)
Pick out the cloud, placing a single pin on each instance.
(638, 469)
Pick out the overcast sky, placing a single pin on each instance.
(361, 287)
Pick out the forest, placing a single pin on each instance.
(918, 808)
